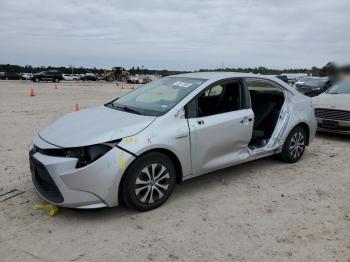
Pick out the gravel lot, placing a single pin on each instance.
(261, 211)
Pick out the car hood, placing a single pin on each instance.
(92, 126)
(332, 101)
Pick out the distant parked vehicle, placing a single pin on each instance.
(71, 77)
(139, 79)
(90, 77)
(284, 78)
(67, 77)
(53, 76)
(76, 76)
(26, 76)
(332, 109)
(133, 79)
(314, 86)
(293, 77)
(10, 76)
(302, 80)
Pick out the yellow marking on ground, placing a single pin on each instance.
(53, 210)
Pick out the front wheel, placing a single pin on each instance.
(294, 146)
(148, 182)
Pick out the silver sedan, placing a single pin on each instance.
(332, 109)
(134, 149)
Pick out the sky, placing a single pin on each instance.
(175, 34)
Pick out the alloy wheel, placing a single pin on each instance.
(297, 144)
(152, 183)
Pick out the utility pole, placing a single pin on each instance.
(72, 68)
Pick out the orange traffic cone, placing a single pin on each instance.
(56, 87)
(77, 107)
(32, 92)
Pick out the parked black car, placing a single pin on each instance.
(53, 76)
(314, 86)
(90, 77)
(284, 78)
(10, 76)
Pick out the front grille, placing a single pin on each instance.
(43, 181)
(332, 114)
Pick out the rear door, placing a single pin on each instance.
(50, 75)
(221, 126)
(46, 76)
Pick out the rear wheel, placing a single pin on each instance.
(294, 146)
(149, 182)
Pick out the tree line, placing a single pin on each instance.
(329, 69)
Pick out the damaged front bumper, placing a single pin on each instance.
(58, 181)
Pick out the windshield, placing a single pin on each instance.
(158, 97)
(342, 87)
(316, 82)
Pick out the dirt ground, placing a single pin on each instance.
(261, 211)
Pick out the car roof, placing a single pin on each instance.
(223, 75)
(216, 76)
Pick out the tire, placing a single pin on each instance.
(294, 146)
(141, 189)
(36, 80)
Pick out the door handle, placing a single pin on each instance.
(181, 136)
(200, 122)
(246, 120)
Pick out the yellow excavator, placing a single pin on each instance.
(117, 73)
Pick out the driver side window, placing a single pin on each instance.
(217, 99)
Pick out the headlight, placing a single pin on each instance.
(85, 155)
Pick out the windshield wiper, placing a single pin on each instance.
(110, 105)
(123, 108)
(127, 109)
